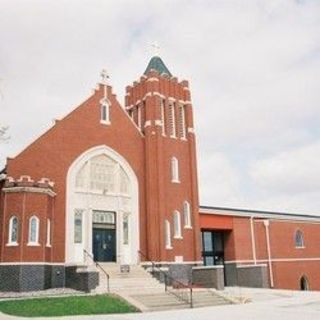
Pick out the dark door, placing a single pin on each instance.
(213, 248)
(104, 244)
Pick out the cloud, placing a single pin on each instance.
(254, 68)
(290, 172)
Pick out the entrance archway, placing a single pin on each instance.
(102, 208)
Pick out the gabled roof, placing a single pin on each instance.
(158, 65)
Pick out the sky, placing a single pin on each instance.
(253, 67)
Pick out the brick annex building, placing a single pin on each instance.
(120, 184)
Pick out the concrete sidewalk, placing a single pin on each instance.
(267, 305)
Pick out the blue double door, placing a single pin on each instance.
(104, 244)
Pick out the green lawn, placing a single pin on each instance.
(66, 306)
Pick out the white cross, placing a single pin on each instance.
(156, 49)
(104, 76)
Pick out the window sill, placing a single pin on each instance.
(173, 137)
(178, 237)
(300, 247)
(169, 248)
(33, 244)
(105, 122)
(48, 245)
(175, 181)
(188, 227)
(12, 244)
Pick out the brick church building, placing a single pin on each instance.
(119, 184)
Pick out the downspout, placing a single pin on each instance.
(253, 240)
(266, 224)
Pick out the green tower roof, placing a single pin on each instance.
(157, 64)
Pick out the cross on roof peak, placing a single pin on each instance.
(155, 48)
(104, 76)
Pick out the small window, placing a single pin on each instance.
(177, 225)
(304, 284)
(48, 244)
(139, 116)
(187, 214)
(126, 229)
(105, 118)
(33, 231)
(299, 239)
(172, 120)
(174, 170)
(78, 225)
(163, 123)
(168, 235)
(182, 122)
(13, 230)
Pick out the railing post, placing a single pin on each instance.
(165, 282)
(191, 297)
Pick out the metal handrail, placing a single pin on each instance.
(98, 265)
(179, 284)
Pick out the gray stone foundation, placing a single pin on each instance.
(208, 277)
(22, 278)
(255, 276)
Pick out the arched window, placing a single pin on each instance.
(175, 170)
(304, 283)
(33, 231)
(13, 231)
(104, 112)
(167, 234)
(48, 244)
(299, 239)
(187, 214)
(177, 225)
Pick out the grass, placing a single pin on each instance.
(67, 306)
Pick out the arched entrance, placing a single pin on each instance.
(304, 283)
(102, 208)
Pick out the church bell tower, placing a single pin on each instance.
(161, 108)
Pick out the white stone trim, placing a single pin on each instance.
(16, 263)
(208, 267)
(46, 180)
(158, 123)
(29, 189)
(22, 178)
(146, 263)
(273, 260)
(90, 202)
(147, 123)
(152, 79)
(251, 265)
(48, 234)
(190, 130)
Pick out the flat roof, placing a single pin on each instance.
(258, 213)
